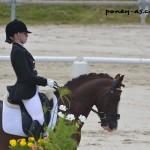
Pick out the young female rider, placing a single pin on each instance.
(25, 89)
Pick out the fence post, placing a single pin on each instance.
(13, 9)
(79, 68)
(143, 6)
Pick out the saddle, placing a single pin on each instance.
(47, 105)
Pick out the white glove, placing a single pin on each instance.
(51, 83)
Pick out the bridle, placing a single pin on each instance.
(106, 116)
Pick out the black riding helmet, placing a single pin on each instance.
(14, 27)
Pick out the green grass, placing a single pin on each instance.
(70, 15)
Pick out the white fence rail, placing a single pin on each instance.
(86, 59)
(82, 67)
(143, 5)
(116, 60)
(87, 3)
(44, 59)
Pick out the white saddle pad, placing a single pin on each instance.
(12, 121)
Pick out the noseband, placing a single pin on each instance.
(106, 116)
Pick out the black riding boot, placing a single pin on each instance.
(35, 130)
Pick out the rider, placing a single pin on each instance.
(25, 89)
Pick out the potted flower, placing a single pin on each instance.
(58, 139)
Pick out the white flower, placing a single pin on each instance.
(62, 107)
(60, 114)
(82, 118)
(70, 117)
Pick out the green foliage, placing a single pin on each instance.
(4, 14)
(20, 148)
(61, 139)
(63, 91)
(70, 15)
(64, 94)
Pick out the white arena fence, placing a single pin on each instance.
(117, 60)
(44, 59)
(141, 4)
(82, 67)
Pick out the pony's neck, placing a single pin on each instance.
(77, 82)
(85, 90)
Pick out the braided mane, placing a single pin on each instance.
(75, 82)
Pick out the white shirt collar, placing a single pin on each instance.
(21, 44)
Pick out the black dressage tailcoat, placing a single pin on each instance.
(27, 80)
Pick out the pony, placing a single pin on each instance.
(100, 90)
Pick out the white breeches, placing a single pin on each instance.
(34, 108)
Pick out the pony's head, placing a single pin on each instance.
(100, 90)
(107, 104)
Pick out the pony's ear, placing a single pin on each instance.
(117, 76)
(119, 81)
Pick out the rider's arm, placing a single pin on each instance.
(24, 73)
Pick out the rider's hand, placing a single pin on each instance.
(51, 83)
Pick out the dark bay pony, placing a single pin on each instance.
(100, 90)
